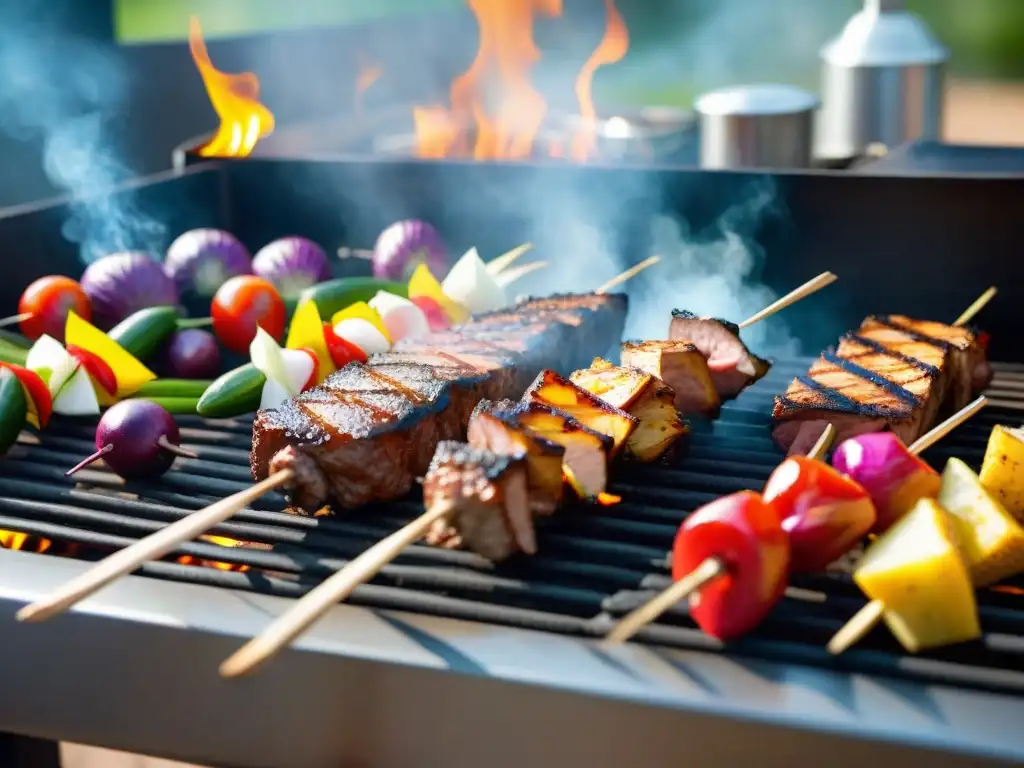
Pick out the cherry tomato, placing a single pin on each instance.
(242, 304)
(894, 478)
(342, 352)
(823, 512)
(97, 368)
(437, 318)
(47, 302)
(744, 533)
(36, 392)
(313, 374)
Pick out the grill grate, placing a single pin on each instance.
(595, 563)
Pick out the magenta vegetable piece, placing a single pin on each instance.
(894, 478)
(292, 264)
(190, 353)
(137, 439)
(123, 283)
(404, 246)
(202, 260)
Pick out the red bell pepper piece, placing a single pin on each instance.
(40, 401)
(744, 533)
(342, 352)
(97, 368)
(823, 512)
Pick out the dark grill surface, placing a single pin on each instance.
(595, 563)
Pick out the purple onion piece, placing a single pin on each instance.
(202, 260)
(190, 353)
(292, 264)
(123, 283)
(404, 246)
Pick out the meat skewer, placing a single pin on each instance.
(712, 568)
(893, 374)
(340, 585)
(430, 407)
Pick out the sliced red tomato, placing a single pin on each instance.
(97, 368)
(241, 305)
(47, 301)
(312, 380)
(342, 352)
(40, 402)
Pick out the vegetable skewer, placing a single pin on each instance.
(709, 570)
(158, 544)
(337, 587)
(868, 617)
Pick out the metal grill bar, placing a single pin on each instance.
(595, 563)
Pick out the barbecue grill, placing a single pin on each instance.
(425, 663)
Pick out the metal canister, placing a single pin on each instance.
(756, 126)
(882, 82)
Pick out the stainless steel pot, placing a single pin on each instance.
(882, 82)
(756, 126)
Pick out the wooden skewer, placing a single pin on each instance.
(14, 319)
(976, 307)
(805, 290)
(857, 628)
(152, 547)
(509, 276)
(499, 264)
(315, 603)
(703, 574)
(631, 272)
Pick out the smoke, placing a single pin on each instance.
(63, 89)
(715, 273)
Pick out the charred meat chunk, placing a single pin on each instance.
(733, 367)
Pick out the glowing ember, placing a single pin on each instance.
(608, 499)
(235, 98)
(505, 56)
(223, 541)
(25, 542)
(612, 48)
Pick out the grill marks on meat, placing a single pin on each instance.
(372, 429)
(887, 375)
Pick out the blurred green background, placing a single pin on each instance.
(986, 36)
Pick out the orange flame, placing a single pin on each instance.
(367, 75)
(25, 542)
(235, 98)
(608, 499)
(223, 541)
(508, 52)
(612, 48)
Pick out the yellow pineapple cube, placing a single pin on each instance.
(916, 571)
(1002, 471)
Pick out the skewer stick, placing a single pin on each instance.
(631, 272)
(152, 547)
(805, 290)
(14, 319)
(976, 307)
(703, 574)
(499, 264)
(857, 628)
(315, 603)
(511, 275)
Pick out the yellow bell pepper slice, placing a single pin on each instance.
(307, 332)
(423, 283)
(129, 372)
(362, 311)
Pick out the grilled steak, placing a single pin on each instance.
(893, 373)
(733, 367)
(490, 503)
(372, 429)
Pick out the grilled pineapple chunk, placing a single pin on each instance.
(642, 395)
(680, 365)
(991, 540)
(1002, 471)
(493, 431)
(585, 464)
(551, 389)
